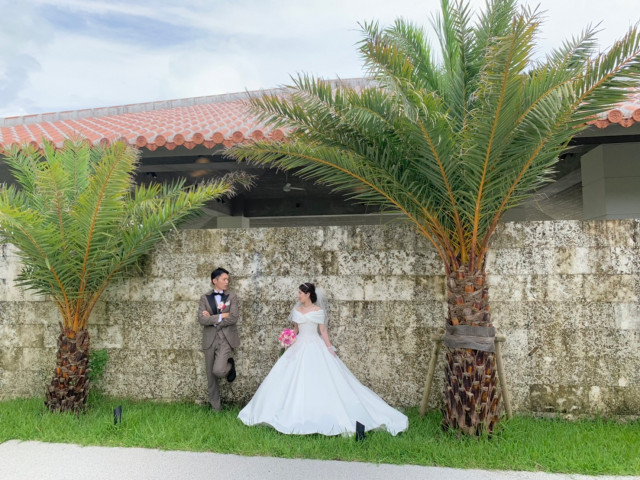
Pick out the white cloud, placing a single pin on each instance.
(112, 54)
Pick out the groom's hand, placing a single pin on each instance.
(205, 313)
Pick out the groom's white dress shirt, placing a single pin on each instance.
(218, 297)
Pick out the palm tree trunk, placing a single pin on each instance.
(69, 386)
(470, 388)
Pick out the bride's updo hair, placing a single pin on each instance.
(309, 288)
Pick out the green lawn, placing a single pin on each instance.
(524, 443)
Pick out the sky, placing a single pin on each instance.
(58, 55)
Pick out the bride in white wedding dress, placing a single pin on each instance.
(309, 389)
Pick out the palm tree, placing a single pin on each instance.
(79, 222)
(451, 144)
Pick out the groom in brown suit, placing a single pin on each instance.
(218, 313)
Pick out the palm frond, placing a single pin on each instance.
(78, 224)
(451, 144)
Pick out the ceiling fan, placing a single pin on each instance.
(287, 186)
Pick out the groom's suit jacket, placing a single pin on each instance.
(228, 327)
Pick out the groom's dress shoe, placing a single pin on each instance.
(231, 376)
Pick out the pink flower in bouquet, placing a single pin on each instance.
(287, 337)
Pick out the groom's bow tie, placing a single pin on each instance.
(218, 293)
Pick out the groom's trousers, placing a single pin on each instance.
(217, 365)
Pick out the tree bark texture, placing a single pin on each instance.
(69, 387)
(470, 389)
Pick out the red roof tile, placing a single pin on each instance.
(208, 121)
(625, 114)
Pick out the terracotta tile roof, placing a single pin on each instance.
(625, 114)
(208, 121)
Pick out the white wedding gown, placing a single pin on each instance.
(309, 390)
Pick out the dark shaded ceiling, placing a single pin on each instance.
(274, 193)
(278, 194)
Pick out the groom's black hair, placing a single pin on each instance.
(217, 272)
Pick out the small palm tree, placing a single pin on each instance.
(79, 222)
(452, 144)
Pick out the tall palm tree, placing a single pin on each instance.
(79, 222)
(452, 144)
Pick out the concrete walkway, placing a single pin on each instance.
(54, 461)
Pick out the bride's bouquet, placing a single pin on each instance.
(286, 339)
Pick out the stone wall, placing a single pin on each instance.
(564, 293)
